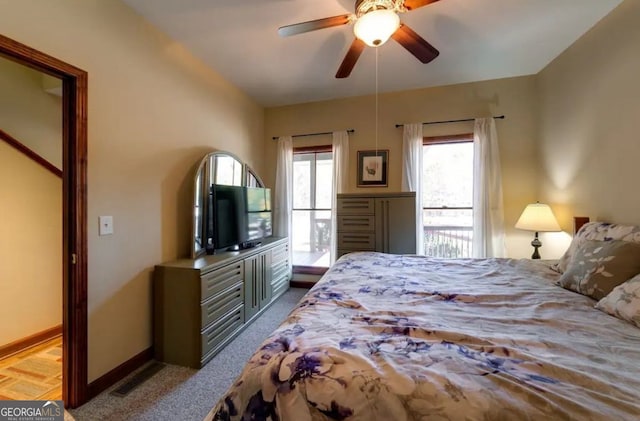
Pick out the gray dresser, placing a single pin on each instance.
(384, 222)
(201, 305)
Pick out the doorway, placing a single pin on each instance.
(74, 211)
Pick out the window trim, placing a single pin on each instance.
(452, 138)
(310, 270)
(315, 149)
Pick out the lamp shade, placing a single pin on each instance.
(538, 217)
(376, 27)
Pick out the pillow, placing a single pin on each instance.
(597, 231)
(624, 301)
(597, 267)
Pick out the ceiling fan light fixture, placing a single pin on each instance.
(376, 27)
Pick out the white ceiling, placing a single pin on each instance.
(477, 39)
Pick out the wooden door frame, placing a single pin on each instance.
(74, 211)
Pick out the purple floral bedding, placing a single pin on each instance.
(393, 337)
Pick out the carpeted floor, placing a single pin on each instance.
(185, 394)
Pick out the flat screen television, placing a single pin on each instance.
(237, 217)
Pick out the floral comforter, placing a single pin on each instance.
(392, 337)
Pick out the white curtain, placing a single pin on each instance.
(488, 212)
(340, 149)
(412, 174)
(283, 204)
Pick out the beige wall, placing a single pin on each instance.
(31, 222)
(154, 110)
(589, 110)
(514, 97)
(28, 113)
(30, 247)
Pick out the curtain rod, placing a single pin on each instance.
(313, 134)
(501, 117)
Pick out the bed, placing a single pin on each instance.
(399, 337)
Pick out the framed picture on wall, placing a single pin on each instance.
(372, 168)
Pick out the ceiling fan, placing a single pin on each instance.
(375, 22)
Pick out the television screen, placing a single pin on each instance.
(228, 216)
(237, 217)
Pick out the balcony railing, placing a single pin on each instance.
(448, 241)
(311, 237)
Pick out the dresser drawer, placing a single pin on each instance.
(356, 223)
(221, 279)
(280, 271)
(363, 241)
(355, 205)
(280, 254)
(221, 303)
(215, 334)
(279, 286)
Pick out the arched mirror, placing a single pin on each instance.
(222, 169)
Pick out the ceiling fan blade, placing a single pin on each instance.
(415, 44)
(350, 59)
(312, 25)
(414, 4)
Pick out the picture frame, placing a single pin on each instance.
(373, 168)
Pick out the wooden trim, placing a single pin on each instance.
(30, 341)
(75, 207)
(312, 149)
(312, 134)
(107, 380)
(301, 284)
(312, 209)
(578, 222)
(447, 208)
(452, 138)
(74, 210)
(309, 270)
(12, 141)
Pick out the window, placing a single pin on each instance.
(311, 216)
(448, 195)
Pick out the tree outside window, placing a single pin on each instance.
(448, 196)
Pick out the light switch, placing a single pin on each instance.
(106, 225)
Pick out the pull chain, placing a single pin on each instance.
(376, 101)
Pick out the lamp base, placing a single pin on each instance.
(536, 245)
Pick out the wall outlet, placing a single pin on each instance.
(106, 225)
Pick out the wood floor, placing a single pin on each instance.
(306, 258)
(35, 373)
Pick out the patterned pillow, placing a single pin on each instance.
(624, 301)
(597, 267)
(597, 231)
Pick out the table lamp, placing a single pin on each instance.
(537, 217)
